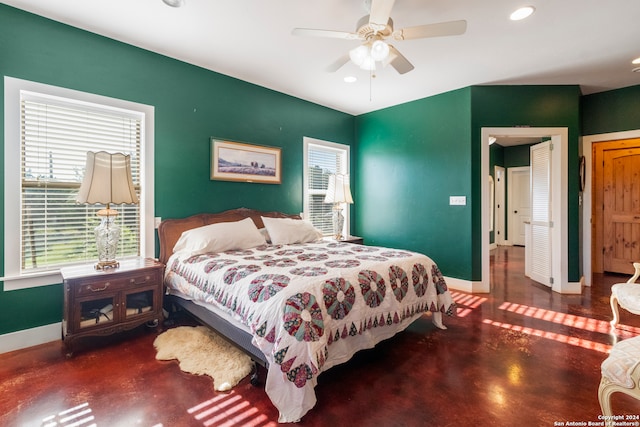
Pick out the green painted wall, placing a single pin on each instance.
(191, 105)
(612, 111)
(516, 156)
(535, 106)
(413, 156)
(508, 157)
(496, 157)
(410, 159)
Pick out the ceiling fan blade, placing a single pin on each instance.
(451, 28)
(310, 32)
(338, 63)
(380, 12)
(399, 62)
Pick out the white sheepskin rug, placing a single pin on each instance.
(201, 351)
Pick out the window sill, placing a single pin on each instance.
(44, 278)
(14, 283)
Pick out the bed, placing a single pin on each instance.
(296, 303)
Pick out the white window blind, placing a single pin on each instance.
(55, 137)
(322, 160)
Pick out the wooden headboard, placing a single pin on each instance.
(170, 230)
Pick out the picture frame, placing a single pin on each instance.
(239, 161)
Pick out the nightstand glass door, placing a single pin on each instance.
(96, 312)
(139, 302)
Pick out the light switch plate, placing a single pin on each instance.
(458, 200)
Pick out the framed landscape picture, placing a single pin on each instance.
(235, 161)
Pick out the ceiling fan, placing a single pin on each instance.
(374, 30)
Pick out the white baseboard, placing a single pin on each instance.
(47, 333)
(583, 282)
(568, 288)
(30, 337)
(467, 285)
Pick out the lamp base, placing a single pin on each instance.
(106, 265)
(338, 222)
(107, 237)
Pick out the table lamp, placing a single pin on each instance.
(107, 180)
(338, 193)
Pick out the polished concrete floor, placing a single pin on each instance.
(519, 356)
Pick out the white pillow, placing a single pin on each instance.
(284, 231)
(220, 237)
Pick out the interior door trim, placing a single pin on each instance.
(560, 136)
(587, 142)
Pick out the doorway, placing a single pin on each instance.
(617, 225)
(559, 137)
(519, 211)
(499, 207)
(588, 196)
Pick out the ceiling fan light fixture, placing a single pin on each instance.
(368, 64)
(522, 13)
(174, 3)
(379, 50)
(359, 54)
(636, 61)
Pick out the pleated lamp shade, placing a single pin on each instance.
(338, 190)
(107, 179)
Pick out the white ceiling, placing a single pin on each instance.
(590, 43)
(510, 141)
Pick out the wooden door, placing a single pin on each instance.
(617, 205)
(621, 210)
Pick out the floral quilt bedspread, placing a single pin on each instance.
(312, 306)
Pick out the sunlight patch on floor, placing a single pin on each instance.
(78, 416)
(466, 302)
(229, 410)
(571, 320)
(565, 339)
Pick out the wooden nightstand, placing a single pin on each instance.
(351, 239)
(104, 302)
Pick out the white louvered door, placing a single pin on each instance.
(541, 218)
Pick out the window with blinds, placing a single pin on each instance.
(322, 160)
(55, 137)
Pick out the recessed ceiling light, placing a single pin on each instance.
(636, 61)
(350, 79)
(523, 12)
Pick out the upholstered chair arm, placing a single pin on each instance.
(633, 278)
